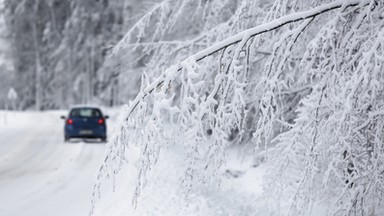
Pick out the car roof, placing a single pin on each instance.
(84, 106)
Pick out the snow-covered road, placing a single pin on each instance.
(40, 175)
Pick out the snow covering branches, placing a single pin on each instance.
(333, 153)
(314, 100)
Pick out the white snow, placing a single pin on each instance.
(40, 175)
(163, 196)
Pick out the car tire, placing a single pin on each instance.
(103, 139)
(66, 139)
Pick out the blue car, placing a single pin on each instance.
(85, 122)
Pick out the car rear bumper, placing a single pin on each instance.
(98, 132)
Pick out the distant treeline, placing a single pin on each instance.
(59, 47)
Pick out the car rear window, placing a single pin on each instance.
(85, 112)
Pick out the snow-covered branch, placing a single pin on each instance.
(318, 115)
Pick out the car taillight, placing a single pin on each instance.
(69, 121)
(101, 121)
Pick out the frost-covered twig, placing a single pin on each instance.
(208, 103)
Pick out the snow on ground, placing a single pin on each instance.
(40, 175)
(163, 195)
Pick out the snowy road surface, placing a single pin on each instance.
(40, 175)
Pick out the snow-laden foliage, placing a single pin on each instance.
(174, 29)
(306, 86)
(334, 149)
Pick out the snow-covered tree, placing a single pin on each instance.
(302, 81)
(6, 69)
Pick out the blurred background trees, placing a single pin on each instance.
(55, 50)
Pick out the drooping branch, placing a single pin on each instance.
(158, 86)
(249, 33)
